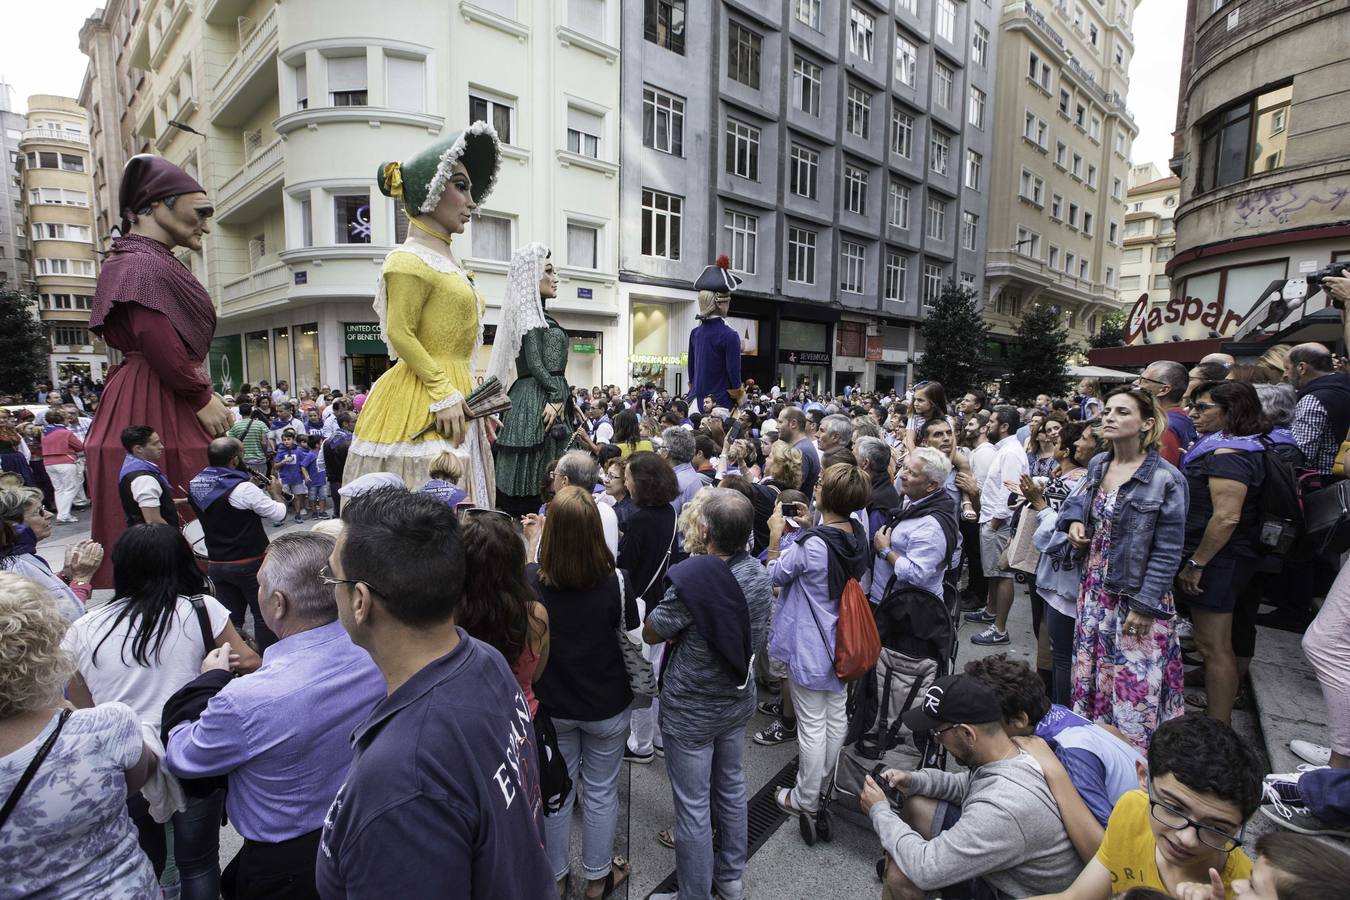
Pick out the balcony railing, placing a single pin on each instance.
(273, 276)
(55, 134)
(253, 49)
(249, 175)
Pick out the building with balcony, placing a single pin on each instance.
(14, 272)
(58, 223)
(1260, 147)
(1150, 239)
(294, 106)
(1061, 157)
(836, 152)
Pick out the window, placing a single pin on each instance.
(1077, 168)
(1087, 223)
(974, 168)
(806, 85)
(1052, 258)
(1069, 260)
(55, 231)
(662, 121)
(1163, 254)
(906, 61)
(970, 228)
(852, 265)
(896, 271)
(583, 132)
(583, 242)
(1032, 188)
(1129, 282)
(63, 196)
(979, 49)
(301, 87)
(943, 78)
(1056, 206)
(1092, 176)
(1160, 283)
(855, 190)
(1073, 215)
(663, 24)
(351, 219)
(1061, 154)
(1122, 144)
(897, 204)
(1166, 226)
(743, 46)
(807, 12)
(1137, 228)
(1120, 56)
(976, 114)
(1028, 243)
(1095, 128)
(497, 111)
(910, 6)
(1065, 101)
(1038, 70)
(1133, 256)
(1115, 188)
(936, 227)
(932, 285)
(1093, 35)
(1080, 116)
(70, 336)
(491, 237)
(1083, 269)
(257, 249)
(902, 134)
(347, 80)
(307, 222)
(1113, 232)
(1244, 139)
(861, 28)
(741, 230)
(946, 20)
(72, 163)
(858, 112)
(405, 82)
(939, 148)
(661, 215)
(801, 255)
(400, 222)
(803, 164)
(742, 150)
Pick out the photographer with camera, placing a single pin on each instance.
(230, 502)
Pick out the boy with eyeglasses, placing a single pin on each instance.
(1185, 825)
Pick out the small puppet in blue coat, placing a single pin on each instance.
(714, 346)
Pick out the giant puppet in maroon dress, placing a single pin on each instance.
(149, 306)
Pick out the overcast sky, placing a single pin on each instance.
(40, 54)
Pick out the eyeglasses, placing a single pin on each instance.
(327, 577)
(937, 733)
(1201, 407)
(1179, 821)
(1141, 378)
(469, 512)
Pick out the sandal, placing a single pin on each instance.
(806, 821)
(617, 864)
(666, 837)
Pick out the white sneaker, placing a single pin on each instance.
(1312, 753)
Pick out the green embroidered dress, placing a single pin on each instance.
(524, 448)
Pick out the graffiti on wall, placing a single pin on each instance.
(1276, 206)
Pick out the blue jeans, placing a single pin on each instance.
(1327, 793)
(196, 847)
(1061, 628)
(595, 749)
(705, 775)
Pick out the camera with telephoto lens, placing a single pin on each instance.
(264, 482)
(1335, 270)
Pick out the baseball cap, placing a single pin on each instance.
(953, 700)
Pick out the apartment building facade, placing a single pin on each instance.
(1150, 239)
(58, 222)
(14, 272)
(290, 108)
(1062, 149)
(1260, 148)
(837, 153)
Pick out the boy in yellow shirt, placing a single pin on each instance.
(1185, 825)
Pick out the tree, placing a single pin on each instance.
(1036, 360)
(23, 345)
(954, 339)
(1112, 332)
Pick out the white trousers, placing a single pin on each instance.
(66, 484)
(822, 722)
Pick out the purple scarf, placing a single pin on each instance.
(135, 464)
(714, 598)
(1217, 440)
(212, 483)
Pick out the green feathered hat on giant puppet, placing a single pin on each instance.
(420, 180)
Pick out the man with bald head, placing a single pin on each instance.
(1167, 381)
(231, 509)
(1322, 417)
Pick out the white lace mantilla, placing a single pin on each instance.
(522, 309)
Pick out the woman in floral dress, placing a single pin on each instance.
(1127, 669)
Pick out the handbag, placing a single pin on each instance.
(1022, 553)
(1326, 517)
(641, 678)
(857, 643)
(555, 783)
(30, 772)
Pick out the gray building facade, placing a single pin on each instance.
(836, 152)
(14, 266)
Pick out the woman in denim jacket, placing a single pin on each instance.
(1131, 518)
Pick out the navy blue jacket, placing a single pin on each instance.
(714, 362)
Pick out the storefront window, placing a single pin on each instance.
(257, 357)
(651, 354)
(307, 371)
(281, 356)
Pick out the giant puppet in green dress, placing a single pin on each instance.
(542, 419)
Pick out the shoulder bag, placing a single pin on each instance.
(641, 679)
(31, 771)
(203, 620)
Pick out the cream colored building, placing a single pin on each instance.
(58, 222)
(292, 107)
(1061, 156)
(1150, 236)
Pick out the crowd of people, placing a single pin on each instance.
(413, 697)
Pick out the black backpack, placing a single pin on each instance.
(1281, 506)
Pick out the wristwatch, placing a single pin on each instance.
(1192, 564)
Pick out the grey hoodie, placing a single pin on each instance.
(1010, 832)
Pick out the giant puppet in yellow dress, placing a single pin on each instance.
(431, 318)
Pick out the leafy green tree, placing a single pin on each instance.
(954, 339)
(23, 345)
(1111, 333)
(1036, 360)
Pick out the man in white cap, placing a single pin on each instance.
(714, 346)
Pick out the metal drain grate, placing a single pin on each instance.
(763, 816)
